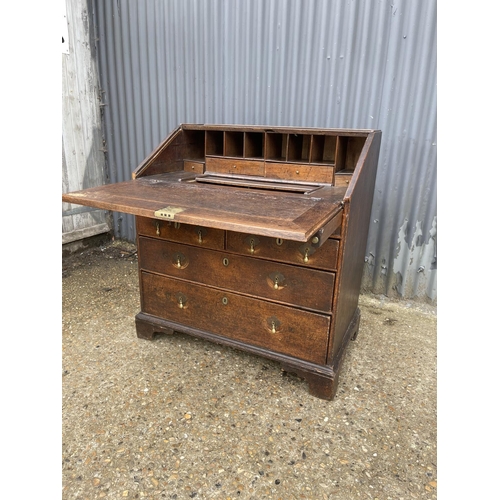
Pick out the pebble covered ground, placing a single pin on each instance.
(181, 418)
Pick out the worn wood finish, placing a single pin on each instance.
(298, 333)
(163, 159)
(359, 196)
(278, 214)
(280, 250)
(197, 167)
(235, 166)
(264, 246)
(343, 179)
(206, 237)
(283, 283)
(292, 171)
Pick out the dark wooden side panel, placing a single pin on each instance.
(167, 157)
(357, 211)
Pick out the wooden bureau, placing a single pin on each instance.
(253, 237)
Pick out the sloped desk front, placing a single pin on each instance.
(269, 264)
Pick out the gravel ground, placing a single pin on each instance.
(182, 418)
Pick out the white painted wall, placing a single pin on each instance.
(83, 159)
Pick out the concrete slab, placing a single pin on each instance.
(182, 418)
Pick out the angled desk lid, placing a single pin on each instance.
(277, 209)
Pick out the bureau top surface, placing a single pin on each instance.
(276, 210)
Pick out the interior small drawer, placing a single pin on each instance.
(184, 233)
(282, 329)
(235, 166)
(292, 252)
(194, 166)
(297, 286)
(300, 172)
(342, 179)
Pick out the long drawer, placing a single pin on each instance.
(308, 288)
(292, 252)
(282, 329)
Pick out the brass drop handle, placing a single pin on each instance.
(252, 241)
(181, 300)
(306, 254)
(276, 280)
(307, 250)
(157, 229)
(273, 323)
(200, 236)
(179, 260)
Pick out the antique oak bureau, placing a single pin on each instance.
(253, 237)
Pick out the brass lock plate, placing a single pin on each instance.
(168, 212)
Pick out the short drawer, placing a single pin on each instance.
(343, 179)
(195, 166)
(279, 328)
(297, 286)
(184, 233)
(293, 252)
(235, 166)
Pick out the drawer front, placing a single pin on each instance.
(299, 172)
(292, 252)
(308, 288)
(282, 329)
(197, 167)
(235, 166)
(342, 179)
(184, 233)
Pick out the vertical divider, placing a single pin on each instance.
(340, 153)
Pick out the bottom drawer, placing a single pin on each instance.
(282, 329)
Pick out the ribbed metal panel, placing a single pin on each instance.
(318, 63)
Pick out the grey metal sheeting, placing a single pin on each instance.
(319, 63)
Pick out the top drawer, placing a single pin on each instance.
(206, 237)
(290, 252)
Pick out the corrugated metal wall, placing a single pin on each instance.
(318, 63)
